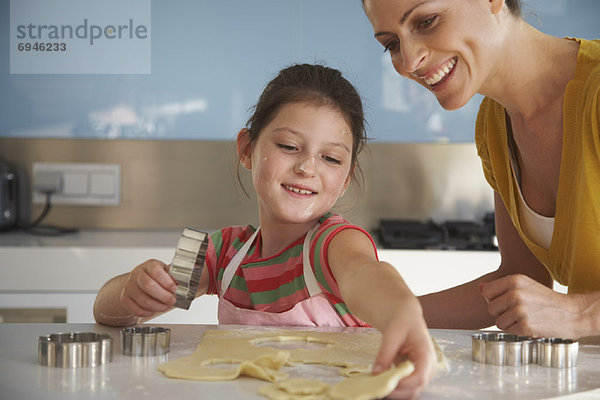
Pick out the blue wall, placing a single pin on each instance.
(210, 60)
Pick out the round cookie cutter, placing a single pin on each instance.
(187, 264)
(556, 352)
(75, 349)
(145, 341)
(502, 349)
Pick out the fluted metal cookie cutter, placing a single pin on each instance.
(145, 341)
(502, 349)
(508, 349)
(556, 352)
(75, 349)
(187, 264)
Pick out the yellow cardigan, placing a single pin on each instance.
(573, 258)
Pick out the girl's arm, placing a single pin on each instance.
(375, 293)
(137, 296)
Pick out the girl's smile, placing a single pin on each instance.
(299, 191)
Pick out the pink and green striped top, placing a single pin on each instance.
(276, 284)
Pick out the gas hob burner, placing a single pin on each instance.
(451, 235)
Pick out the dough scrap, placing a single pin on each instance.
(295, 389)
(367, 387)
(303, 386)
(362, 387)
(265, 367)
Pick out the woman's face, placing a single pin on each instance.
(448, 46)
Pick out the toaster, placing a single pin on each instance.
(8, 196)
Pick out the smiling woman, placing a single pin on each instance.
(537, 135)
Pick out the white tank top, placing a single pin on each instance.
(538, 228)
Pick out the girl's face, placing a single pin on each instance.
(448, 46)
(300, 162)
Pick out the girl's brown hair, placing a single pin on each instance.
(316, 84)
(515, 6)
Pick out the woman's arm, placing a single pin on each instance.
(463, 307)
(522, 301)
(525, 307)
(375, 293)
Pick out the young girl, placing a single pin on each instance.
(305, 265)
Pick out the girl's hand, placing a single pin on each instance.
(149, 289)
(407, 336)
(525, 307)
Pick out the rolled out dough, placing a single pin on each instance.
(349, 351)
(261, 353)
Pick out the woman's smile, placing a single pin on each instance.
(439, 74)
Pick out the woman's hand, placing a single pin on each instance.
(407, 337)
(525, 307)
(149, 289)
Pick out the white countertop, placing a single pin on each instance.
(134, 378)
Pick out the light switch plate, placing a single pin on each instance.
(83, 184)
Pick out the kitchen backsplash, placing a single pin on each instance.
(171, 184)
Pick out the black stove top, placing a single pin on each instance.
(450, 235)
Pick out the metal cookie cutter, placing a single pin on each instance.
(557, 353)
(186, 267)
(502, 349)
(75, 349)
(146, 341)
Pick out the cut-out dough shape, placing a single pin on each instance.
(363, 387)
(265, 367)
(295, 389)
(367, 387)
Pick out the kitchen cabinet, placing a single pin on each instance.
(66, 272)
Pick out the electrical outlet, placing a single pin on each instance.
(80, 183)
